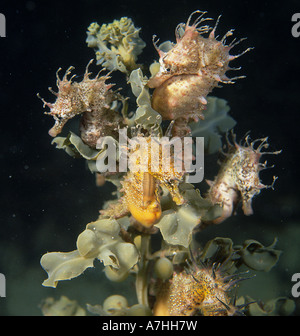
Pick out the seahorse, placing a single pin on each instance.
(92, 98)
(238, 177)
(189, 71)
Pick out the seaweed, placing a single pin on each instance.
(148, 232)
(117, 44)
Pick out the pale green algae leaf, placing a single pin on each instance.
(117, 44)
(61, 307)
(176, 225)
(100, 240)
(281, 306)
(75, 147)
(219, 246)
(64, 266)
(216, 122)
(258, 257)
(145, 115)
(252, 253)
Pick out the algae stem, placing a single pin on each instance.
(141, 283)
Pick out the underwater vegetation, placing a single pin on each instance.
(148, 155)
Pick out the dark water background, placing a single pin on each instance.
(47, 197)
